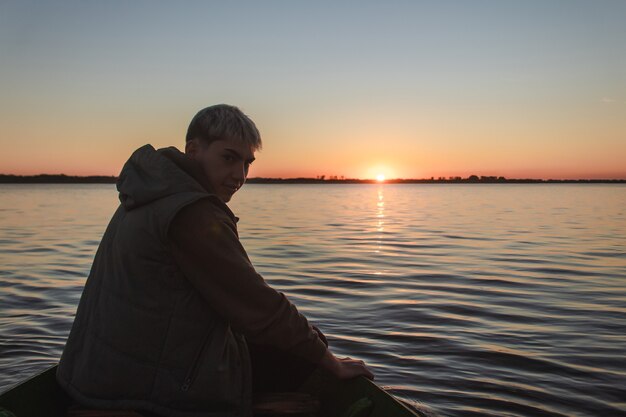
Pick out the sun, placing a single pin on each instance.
(380, 177)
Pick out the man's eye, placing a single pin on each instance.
(227, 157)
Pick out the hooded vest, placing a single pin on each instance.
(143, 338)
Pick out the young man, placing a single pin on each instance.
(172, 301)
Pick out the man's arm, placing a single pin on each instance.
(207, 249)
(209, 253)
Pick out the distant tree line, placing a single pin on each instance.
(56, 179)
(320, 179)
(472, 179)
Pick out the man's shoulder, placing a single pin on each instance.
(205, 212)
(212, 207)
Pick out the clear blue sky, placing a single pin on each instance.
(406, 88)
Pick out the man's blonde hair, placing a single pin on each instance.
(223, 121)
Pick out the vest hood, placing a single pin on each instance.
(151, 174)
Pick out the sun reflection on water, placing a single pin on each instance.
(380, 218)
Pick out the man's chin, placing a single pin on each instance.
(225, 197)
(227, 194)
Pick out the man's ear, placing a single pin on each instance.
(191, 148)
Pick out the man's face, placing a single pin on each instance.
(225, 163)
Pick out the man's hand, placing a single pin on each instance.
(344, 368)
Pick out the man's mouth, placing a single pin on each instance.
(231, 188)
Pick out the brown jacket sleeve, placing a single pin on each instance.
(207, 249)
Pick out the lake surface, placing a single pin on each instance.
(467, 300)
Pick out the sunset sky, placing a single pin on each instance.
(407, 89)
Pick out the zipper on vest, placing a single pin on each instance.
(191, 375)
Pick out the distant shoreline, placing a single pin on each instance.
(473, 179)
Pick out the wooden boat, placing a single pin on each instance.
(322, 395)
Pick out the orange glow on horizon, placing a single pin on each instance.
(308, 159)
(113, 169)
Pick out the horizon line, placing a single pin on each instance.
(65, 178)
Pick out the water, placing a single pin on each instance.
(467, 300)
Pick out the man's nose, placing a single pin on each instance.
(239, 173)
